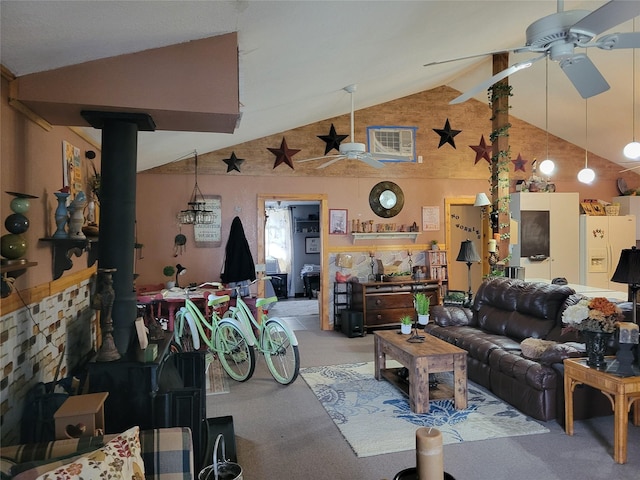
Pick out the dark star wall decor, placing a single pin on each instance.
(233, 162)
(332, 140)
(447, 134)
(518, 163)
(283, 154)
(482, 151)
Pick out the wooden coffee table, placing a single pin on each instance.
(622, 392)
(431, 356)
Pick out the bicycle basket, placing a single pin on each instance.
(223, 470)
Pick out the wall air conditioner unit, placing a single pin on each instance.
(396, 141)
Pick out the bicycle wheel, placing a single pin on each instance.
(236, 356)
(280, 351)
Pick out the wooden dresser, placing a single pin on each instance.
(384, 303)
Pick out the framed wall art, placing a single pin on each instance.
(430, 219)
(338, 221)
(312, 245)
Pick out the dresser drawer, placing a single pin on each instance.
(387, 317)
(384, 301)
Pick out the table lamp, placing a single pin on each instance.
(469, 255)
(628, 271)
(180, 270)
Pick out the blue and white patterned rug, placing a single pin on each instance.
(374, 417)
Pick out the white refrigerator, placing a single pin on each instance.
(602, 238)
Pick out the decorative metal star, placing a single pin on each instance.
(482, 151)
(283, 154)
(446, 134)
(233, 162)
(518, 163)
(332, 140)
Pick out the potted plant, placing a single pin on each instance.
(405, 324)
(421, 302)
(434, 245)
(169, 271)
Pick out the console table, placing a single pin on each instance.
(384, 303)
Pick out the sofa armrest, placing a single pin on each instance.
(450, 316)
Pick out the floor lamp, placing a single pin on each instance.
(469, 255)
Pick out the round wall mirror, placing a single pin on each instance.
(386, 199)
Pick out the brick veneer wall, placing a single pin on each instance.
(57, 317)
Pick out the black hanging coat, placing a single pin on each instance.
(238, 261)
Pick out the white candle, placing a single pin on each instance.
(492, 245)
(429, 458)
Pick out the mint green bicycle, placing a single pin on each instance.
(274, 339)
(224, 337)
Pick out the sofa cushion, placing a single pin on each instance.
(525, 371)
(450, 316)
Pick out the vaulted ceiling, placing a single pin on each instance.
(295, 57)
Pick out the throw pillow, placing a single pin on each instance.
(118, 459)
(32, 469)
(533, 348)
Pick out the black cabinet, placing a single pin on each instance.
(341, 301)
(168, 392)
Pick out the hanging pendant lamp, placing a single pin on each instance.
(196, 213)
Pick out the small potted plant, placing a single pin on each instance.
(405, 324)
(421, 302)
(434, 245)
(169, 271)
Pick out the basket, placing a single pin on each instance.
(223, 470)
(396, 278)
(612, 210)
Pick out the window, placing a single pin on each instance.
(397, 141)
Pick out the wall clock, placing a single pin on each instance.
(386, 199)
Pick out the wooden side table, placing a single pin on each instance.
(622, 392)
(87, 409)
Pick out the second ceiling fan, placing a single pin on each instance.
(353, 150)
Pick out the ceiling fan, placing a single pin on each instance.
(557, 35)
(353, 150)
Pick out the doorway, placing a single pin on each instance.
(463, 222)
(317, 243)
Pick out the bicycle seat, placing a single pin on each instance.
(215, 300)
(265, 301)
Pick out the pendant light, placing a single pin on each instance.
(547, 166)
(586, 175)
(196, 213)
(632, 149)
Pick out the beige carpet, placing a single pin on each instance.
(294, 308)
(217, 378)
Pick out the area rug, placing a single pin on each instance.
(374, 417)
(294, 308)
(217, 378)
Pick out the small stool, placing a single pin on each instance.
(86, 409)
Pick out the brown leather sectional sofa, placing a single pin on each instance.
(506, 311)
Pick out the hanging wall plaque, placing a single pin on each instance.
(210, 234)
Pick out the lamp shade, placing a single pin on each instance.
(468, 252)
(481, 200)
(628, 269)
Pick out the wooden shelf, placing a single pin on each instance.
(384, 235)
(64, 248)
(13, 271)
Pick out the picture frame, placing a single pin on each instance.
(338, 222)
(430, 218)
(312, 245)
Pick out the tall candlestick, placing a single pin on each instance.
(429, 454)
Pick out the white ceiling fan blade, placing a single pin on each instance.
(629, 169)
(477, 55)
(607, 16)
(331, 162)
(496, 78)
(317, 158)
(389, 156)
(619, 40)
(584, 75)
(369, 160)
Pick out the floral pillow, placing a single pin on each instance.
(119, 459)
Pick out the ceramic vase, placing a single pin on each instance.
(61, 215)
(423, 319)
(596, 346)
(76, 220)
(405, 329)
